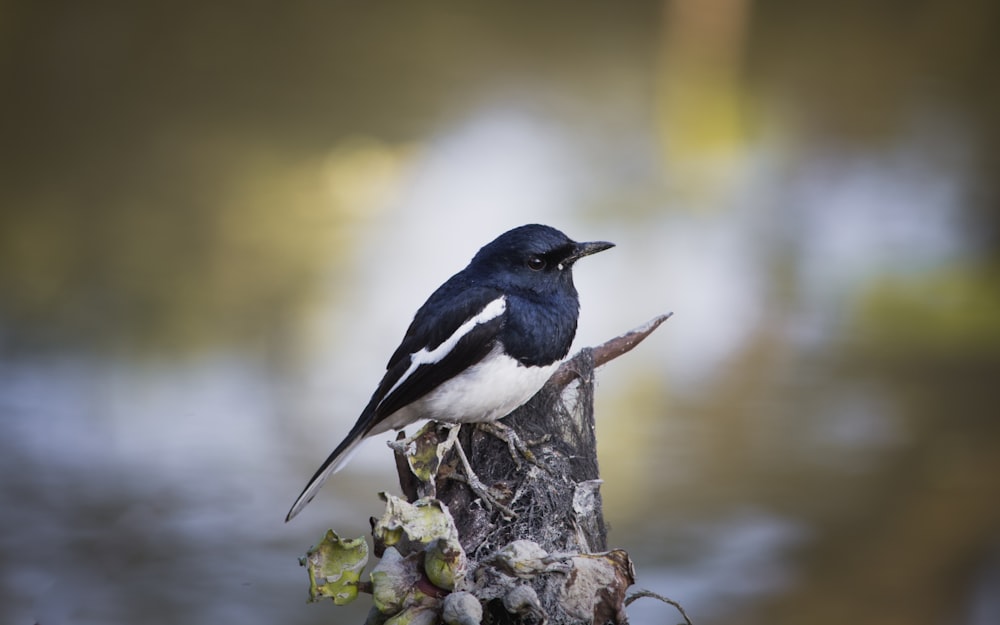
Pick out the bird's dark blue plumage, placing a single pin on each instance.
(481, 345)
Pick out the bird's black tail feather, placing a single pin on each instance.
(332, 464)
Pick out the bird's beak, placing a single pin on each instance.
(586, 249)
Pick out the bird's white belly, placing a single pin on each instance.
(487, 391)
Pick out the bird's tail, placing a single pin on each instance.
(331, 465)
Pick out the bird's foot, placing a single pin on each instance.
(470, 478)
(518, 448)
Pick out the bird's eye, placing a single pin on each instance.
(536, 263)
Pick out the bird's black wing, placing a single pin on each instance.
(462, 323)
(455, 329)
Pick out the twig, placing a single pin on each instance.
(639, 594)
(607, 351)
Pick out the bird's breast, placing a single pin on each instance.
(540, 332)
(486, 391)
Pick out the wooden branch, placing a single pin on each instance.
(641, 594)
(605, 352)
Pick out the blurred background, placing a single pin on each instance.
(216, 220)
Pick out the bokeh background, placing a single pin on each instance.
(218, 217)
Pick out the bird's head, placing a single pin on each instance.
(533, 258)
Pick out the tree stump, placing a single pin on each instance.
(530, 548)
(555, 501)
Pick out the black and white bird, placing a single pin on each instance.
(481, 346)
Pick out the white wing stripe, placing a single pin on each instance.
(423, 357)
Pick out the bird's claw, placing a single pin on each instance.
(470, 478)
(518, 448)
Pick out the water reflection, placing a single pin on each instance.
(813, 433)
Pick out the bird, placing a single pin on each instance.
(481, 345)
